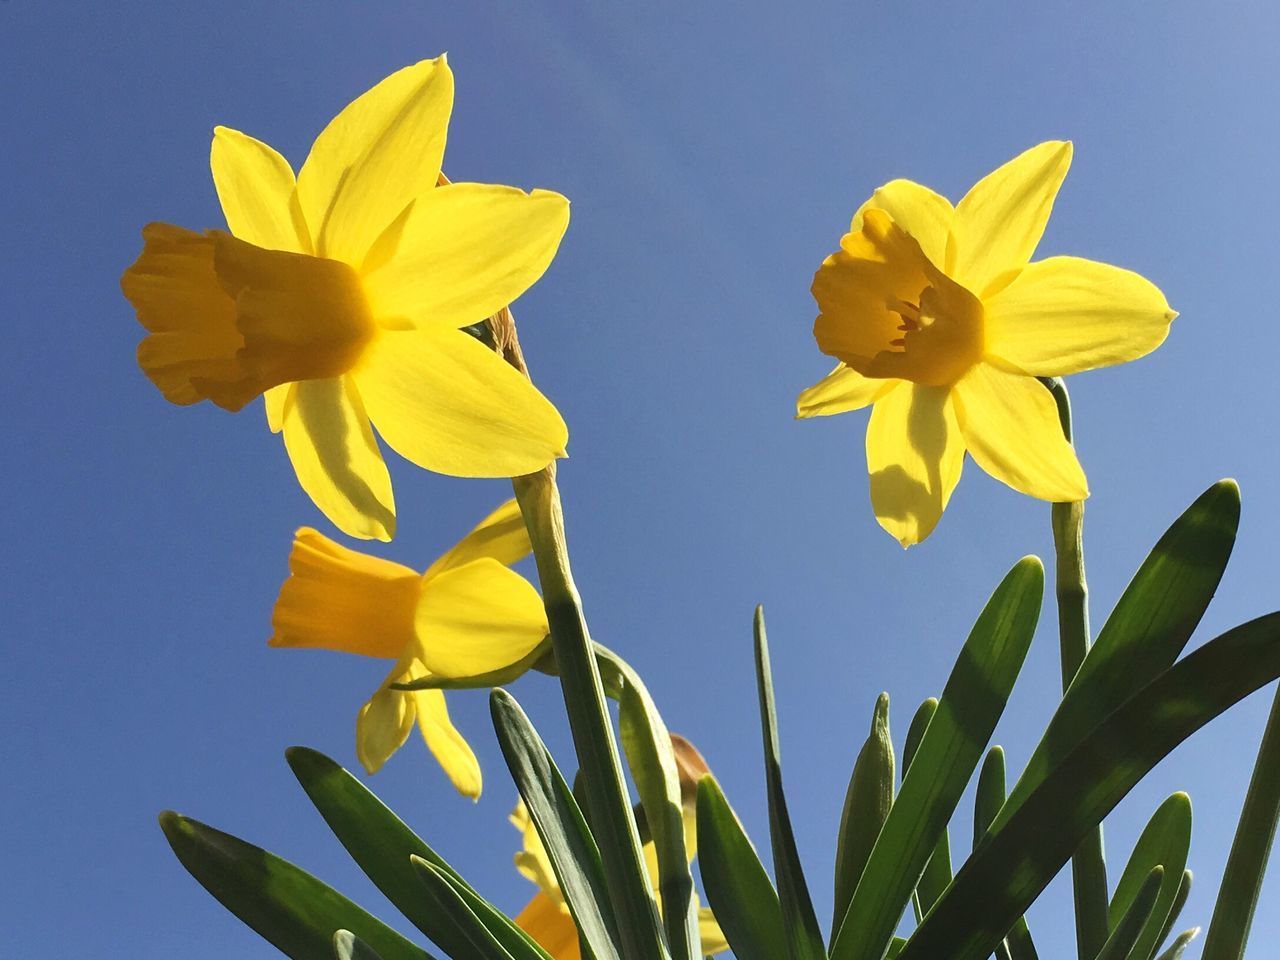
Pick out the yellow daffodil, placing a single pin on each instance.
(940, 321)
(468, 614)
(546, 918)
(339, 297)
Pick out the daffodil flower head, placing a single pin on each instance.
(546, 917)
(468, 615)
(942, 323)
(339, 296)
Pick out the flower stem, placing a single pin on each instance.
(1088, 864)
(608, 807)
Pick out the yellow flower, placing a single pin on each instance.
(546, 917)
(939, 319)
(340, 297)
(468, 615)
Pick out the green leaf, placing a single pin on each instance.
(647, 744)
(287, 906)
(1179, 946)
(1164, 842)
(950, 749)
(1146, 631)
(937, 871)
(555, 815)
(1250, 850)
(990, 793)
(866, 805)
(1180, 901)
(1123, 941)
(381, 844)
(480, 944)
(1021, 855)
(738, 888)
(804, 941)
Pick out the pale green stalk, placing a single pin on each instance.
(608, 808)
(1088, 865)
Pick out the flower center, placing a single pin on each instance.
(888, 312)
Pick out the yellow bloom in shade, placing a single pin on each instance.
(468, 614)
(339, 297)
(942, 324)
(546, 917)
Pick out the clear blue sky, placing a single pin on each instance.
(713, 153)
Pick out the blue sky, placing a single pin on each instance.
(713, 154)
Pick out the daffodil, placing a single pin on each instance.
(942, 323)
(546, 918)
(469, 614)
(339, 297)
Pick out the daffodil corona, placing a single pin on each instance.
(339, 297)
(941, 321)
(546, 917)
(468, 615)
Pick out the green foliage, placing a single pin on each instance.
(1130, 703)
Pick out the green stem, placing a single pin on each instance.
(1088, 865)
(1247, 864)
(608, 808)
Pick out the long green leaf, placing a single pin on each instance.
(1250, 850)
(1146, 631)
(866, 806)
(1122, 942)
(480, 943)
(937, 870)
(286, 905)
(804, 940)
(555, 815)
(1164, 842)
(381, 844)
(1180, 901)
(989, 797)
(1020, 856)
(971, 704)
(647, 745)
(741, 896)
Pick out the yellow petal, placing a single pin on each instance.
(532, 861)
(336, 457)
(919, 211)
(1000, 221)
(255, 186)
(713, 940)
(840, 391)
(551, 927)
(275, 401)
(1064, 315)
(501, 535)
(383, 723)
(448, 403)
(444, 741)
(375, 158)
(466, 251)
(1011, 427)
(914, 456)
(338, 599)
(477, 618)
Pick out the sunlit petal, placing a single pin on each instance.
(840, 391)
(478, 618)
(501, 535)
(337, 459)
(914, 455)
(466, 251)
(384, 722)
(450, 404)
(375, 158)
(255, 185)
(446, 744)
(1011, 428)
(1065, 315)
(919, 211)
(1000, 221)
